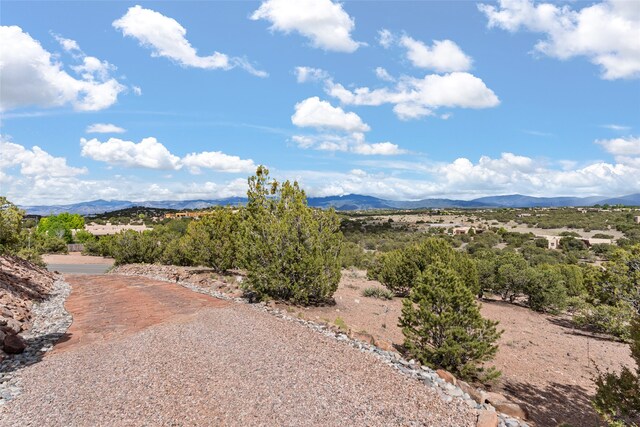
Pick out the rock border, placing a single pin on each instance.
(50, 321)
(443, 382)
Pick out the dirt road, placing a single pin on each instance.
(142, 352)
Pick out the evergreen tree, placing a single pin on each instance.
(289, 250)
(443, 327)
(617, 398)
(212, 240)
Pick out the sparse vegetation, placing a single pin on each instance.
(377, 292)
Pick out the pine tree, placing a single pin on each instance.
(443, 327)
(289, 250)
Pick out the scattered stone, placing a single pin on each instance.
(447, 376)
(477, 395)
(487, 419)
(14, 344)
(511, 409)
(493, 397)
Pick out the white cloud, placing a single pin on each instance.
(151, 154)
(310, 74)
(386, 38)
(218, 161)
(167, 38)
(629, 146)
(444, 56)
(608, 33)
(354, 143)
(414, 97)
(34, 162)
(67, 44)
(619, 128)
(384, 75)
(30, 75)
(323, 22)
(104, 128)
(148, 153)
(312, 112)
(137, 90)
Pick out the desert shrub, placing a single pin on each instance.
(546, 291)
(377, 292)
(602, 236)
(31, 255)
(51, 244)
(83, 236)
(399, 269)
(617, 398)
(10, 226)
(289, 250)
(513, 275)
(177, 252)
(442, 325)
(213, 240)
(130, 247)
(352, 255)
(609, 319)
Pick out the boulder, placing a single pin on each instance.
(14, 344)
(487, 419)
(447, 376)
(511, 409)
(10, 326)
(474, 393)
(493, 398)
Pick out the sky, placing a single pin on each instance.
(172, 100)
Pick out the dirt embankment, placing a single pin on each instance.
(21, 284)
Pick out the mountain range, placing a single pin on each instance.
(348, 202)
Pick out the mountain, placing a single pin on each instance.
(348, 202)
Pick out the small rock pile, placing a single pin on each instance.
(21, 284)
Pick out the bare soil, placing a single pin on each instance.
(547, 365)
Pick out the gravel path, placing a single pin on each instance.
(225, 365)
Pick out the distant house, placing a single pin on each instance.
(463, 230)
(553, 242)
(636, 219)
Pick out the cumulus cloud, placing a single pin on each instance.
(414, 97)
(167, 38)
(32, 76)
(618, 128)
(321, 115)
(148, 153)
(104, 128)
(354, 143)
(607, 33)
(443, 56)
(151, 154)
(323, 22)
(312, 112)
(384, 75)
(310, 74)
(386, 38)
(218, 161)
(34, 162)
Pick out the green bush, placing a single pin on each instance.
(10, 226)
(289, 250)
(617, 397)
(546, 291)
(376, 292)
(443, 328)
(51, 245)
(213, 240)
(130, 247)
(32, 255)
(609, 319)
(352, 255)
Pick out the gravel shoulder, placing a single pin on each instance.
(224, 364)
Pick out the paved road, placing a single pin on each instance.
(79, 268)
(144, 352)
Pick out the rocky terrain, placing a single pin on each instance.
(21, 284)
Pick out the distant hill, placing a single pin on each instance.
(348, 202)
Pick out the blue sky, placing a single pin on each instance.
(402, 100)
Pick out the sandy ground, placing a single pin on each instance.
(101, 230)
(141, 352)
(76, 258)
(546, 364)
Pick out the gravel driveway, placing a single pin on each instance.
(179, 360)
